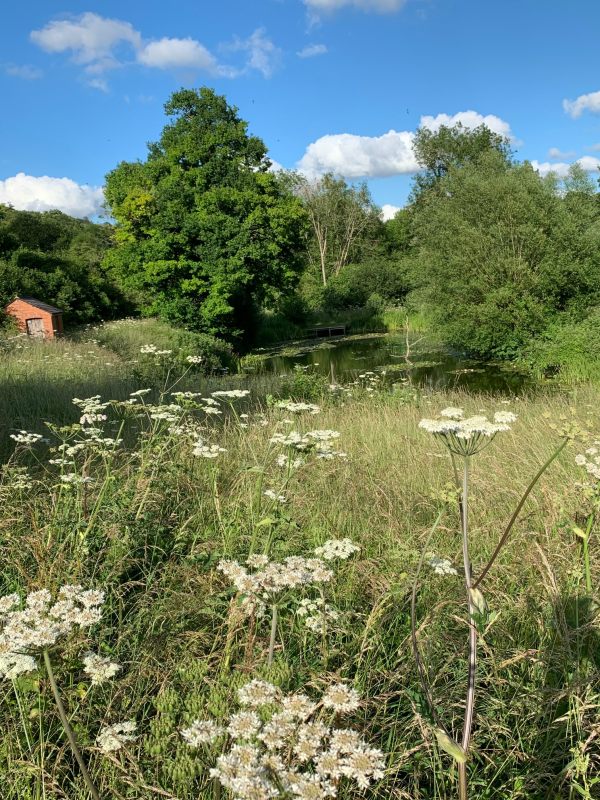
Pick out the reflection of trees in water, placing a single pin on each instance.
(405, 359)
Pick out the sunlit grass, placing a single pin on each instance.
(154, 521)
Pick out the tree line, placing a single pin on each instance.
(207, 236)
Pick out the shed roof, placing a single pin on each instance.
(31, 301)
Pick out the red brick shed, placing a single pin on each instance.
(36, 318)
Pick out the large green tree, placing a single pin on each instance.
(501, 251)
(436, 151)
(205, 233)
(343, 218)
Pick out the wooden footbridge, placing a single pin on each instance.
(325, 331)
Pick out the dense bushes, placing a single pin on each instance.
(59, 260)
(128, 336)
(500, 252)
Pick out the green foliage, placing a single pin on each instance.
(568, 349)
(453, 147)
(387, 276)
(205, 234)
(500, 252)
(57, 259)
(344, 222)
(126, 338)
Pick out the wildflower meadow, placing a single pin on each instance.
(215, 587)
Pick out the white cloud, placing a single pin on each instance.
(24, 71)
(177, 53)
(29, 193)
(360, 156)
(275, 165)
(90, 38)
(470, 119)
(380, 156)
(97, 44)
(388, 211)
(561, 168)
(312, 50)
(98, 83)
(560, 155)
(585, 102)
(263, 55)
(381, 6)
(589, 163)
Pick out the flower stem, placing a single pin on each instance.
(470, 700)
(67, 728)
(273, 634)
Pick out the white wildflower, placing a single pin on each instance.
(99, 668)
(113, 737)
(277, 498)
(337, 548)
(441, 566)
(231, 394)
(201, 731)
(341, 698)
(244, 725)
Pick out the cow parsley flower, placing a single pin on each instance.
(466, 436)
(231, 394)
(277, 498)
(113, 737)
(99, 668)
(337, 549)
(441, 566)
(341, 698)
(258, 693)
(201, 731)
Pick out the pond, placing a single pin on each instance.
(422, 363)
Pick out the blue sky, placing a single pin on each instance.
(328, 84)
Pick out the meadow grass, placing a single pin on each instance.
(151, 521)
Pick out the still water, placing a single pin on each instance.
(422, 363)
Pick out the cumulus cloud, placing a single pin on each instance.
(380, 6)
(99, 44)
(388, 211)
(585, 102)
(90, 39)
(360, 156)
(561, 168)
(176, 53)
(312, 50)
(29, 193)
(24, 71)
(559, 155)
(380, 156)
(470, 119)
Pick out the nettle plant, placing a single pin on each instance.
(464, 438)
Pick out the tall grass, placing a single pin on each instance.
(154, 521)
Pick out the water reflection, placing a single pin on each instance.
(420, 363)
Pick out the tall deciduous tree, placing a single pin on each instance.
(204, 231)
(340, 215)
(501, 251)
(452, 146)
